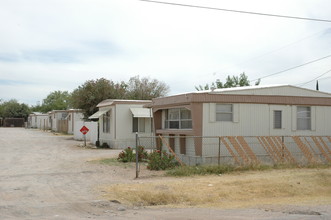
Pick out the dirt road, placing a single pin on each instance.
(46, 176)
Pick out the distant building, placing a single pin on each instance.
(63, 121)
(56, 120)
(38, 120)
(74, 116)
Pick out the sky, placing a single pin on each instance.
(50, 45)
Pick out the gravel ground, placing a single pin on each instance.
(47, 176)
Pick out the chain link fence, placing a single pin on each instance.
(243, 150)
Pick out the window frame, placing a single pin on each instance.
(276, 120)
(219, 112)
(180, 121)
(140, 125)
(307, 118)
(106, 122)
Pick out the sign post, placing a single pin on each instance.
(84, 131)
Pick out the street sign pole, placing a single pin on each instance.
(84, 131)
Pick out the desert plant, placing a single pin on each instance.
(161, 160)
(142, 154)
(127, 155)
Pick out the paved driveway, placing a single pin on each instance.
(44, 176)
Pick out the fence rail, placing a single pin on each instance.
(244, 150)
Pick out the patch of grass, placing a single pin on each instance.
(222, 169)
(210, 170)
(112, 162)
(236, 190)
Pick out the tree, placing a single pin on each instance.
(13, 109)
(37, 108)
(57, 100)
(145, 88)
(233, 81)
(1, 108)
(92, 92)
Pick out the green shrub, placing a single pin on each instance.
(127, 155)
(142, 154)
(158, 160)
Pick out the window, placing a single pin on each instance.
(185, 118)
(303, 118)
(178, 118)
(64, 115)
(277, 119)
(138, 124)
(106, 122)
(224, 112)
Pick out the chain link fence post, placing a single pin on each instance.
(219, 151)
(137, 156)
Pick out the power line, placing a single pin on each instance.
(275, 50)
(302, 84)
(292, 68)
(238, 11)
(282, 47)
(329, 77)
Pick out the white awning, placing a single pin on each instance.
(141, 112)
(99, 113)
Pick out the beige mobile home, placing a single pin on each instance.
(119, 120)
(279, 110)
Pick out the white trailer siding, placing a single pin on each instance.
(33, 121)
(55, 116)
(124, 123)
(257, 120)
(121, 133)
(124, 135)
(92, 134)
(73, 118)
(247, 116)
(281, 90)
(42, 122)
(103, 136)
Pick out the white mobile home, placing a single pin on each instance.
(55, 119)
(119, 120)
(280, 110)
(74, 116)
(38, 120)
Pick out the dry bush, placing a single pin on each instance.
(248, 189)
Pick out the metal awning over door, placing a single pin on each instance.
(141, 112)
(99, 113)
